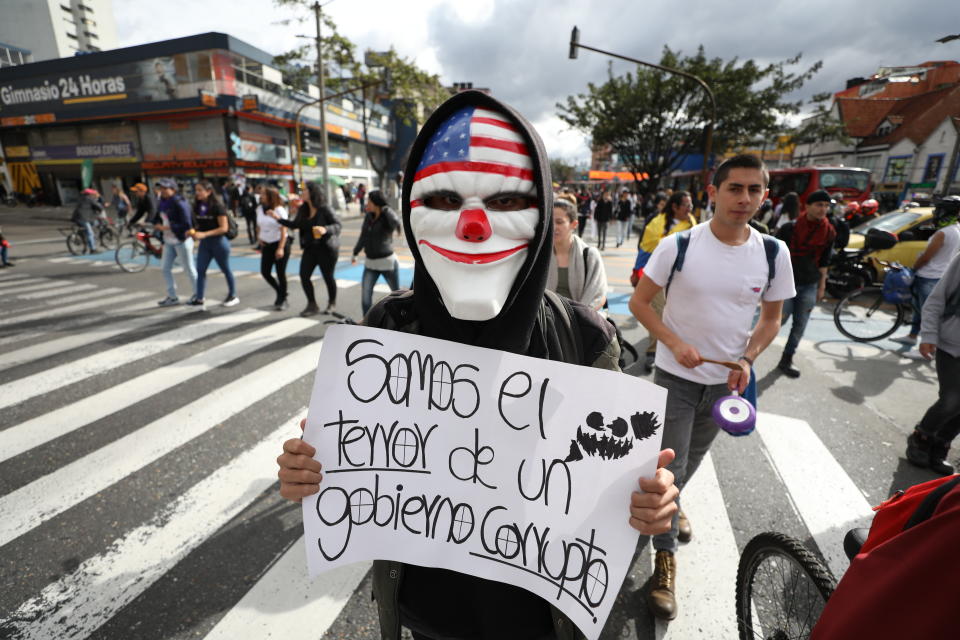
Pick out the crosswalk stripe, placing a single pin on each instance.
(17, 291)
(35, 503)
(286, 603)
(77, 339)
(103, 584)
(59, 260)
(42, 303)
(7, 274)
(706, 566)
(828, 501)
(71, 372)
(49, 426)
(27, 282)
(53, 293)
(66, 311)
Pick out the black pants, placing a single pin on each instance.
(942, 419)
(268, 258)
(326, 259)
(251, 228)
(601, 235)
(581, 223)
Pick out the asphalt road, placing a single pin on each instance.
(137, 447)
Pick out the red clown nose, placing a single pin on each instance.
(473, 226)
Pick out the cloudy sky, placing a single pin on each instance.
(518, 48)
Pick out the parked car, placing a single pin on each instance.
(913, 227)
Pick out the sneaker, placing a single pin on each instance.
(168, 302)
(195, 302)
(330, 308)
(311, 310)
(231, 301)
(281, 305)
(649, 361)
(907, 340)
(660, 598)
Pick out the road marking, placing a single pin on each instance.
(706, 566)
(342, 284)
(48, 380)
(49, 240)
(286, 603)
(105, 583)
(33, 504)
(77, 339)
(106, 302)
(27, 283)
(828, 501)
(60, 260)
(7, 275)
(52, 293)
(49, 426)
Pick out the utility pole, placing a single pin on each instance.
(323, 117)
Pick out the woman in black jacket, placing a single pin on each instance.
(376, 241)
(320, 240)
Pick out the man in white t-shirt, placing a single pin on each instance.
(709, 311)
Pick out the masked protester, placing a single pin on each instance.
(477, 213)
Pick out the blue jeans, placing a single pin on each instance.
(184, 251)
(3, 256)
(799, 307)
(688, 429)
(921, 289)
(91, 238)
(370, 278)
(215, 248)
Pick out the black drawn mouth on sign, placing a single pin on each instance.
(611, 441)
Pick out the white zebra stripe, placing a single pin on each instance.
(53, 293)
(26, 284)
(102, 585)
(66, 311)
(33, 504)
(60, 376)
(32, 433)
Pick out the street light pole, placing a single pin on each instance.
(323, 118)
(708, 142)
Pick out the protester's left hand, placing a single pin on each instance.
(652, 508)
(739, 379)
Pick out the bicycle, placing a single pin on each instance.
(865, 315)
(133, 255)
(104, 232)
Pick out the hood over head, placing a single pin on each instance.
(476, 207)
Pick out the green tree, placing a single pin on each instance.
(562, 170)
(820, 126)
(384, 78)
(653, 119)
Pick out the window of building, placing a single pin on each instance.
(868, 162)
(897, 169)
(931, 172)
(84, 7)
(90, 34)
(71, 35)
(67, 9)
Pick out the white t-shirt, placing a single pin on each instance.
(270, 228)
(713, 299)
(950, 247)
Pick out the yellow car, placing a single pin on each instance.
(913, 227)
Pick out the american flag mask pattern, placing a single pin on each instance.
(476, 154)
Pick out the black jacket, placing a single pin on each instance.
(323, 217)
(604, 211)
(376, 234)
(87, 209)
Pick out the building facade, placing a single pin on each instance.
(53, 29)
(201, 107)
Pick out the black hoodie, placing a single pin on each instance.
(438, 602)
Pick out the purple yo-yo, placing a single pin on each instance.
(734, 415)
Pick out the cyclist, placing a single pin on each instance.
(85, 215)
(210, 229)
(121, 203)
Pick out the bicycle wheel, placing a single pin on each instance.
(863, 315)
(781, 589)
(132, 256)
(109, 238)
(76, 243)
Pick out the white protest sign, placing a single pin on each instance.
(488, 463)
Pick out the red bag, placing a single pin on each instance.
(894, 513)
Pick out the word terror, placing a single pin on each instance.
(380, 446)
(341, 511)
(401, 377)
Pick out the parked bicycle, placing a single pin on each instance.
(104, 231)
(133, 255)
(868, 313)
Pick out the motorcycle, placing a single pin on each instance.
(848, 271)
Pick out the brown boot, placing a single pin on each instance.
(660, 598)
(684, 532)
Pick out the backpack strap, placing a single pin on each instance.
(683, 241)
(771, 248)
(929, 505)
(568, 331)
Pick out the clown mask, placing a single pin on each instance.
(473, 211)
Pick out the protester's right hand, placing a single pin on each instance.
(927, 349)
(299, 473)
(687, 355)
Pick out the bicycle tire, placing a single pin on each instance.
(76, 243)
(864, 316)
(764, 589)
(132, 256)
(109, 238)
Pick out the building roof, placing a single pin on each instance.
(862, 116)
(919, 116)
(4, 45)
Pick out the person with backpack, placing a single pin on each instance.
(211, 229)
(810, 238)
(376, 242)
(247, 204)
(175, 223)
(929, 444)
(576, 270)
(121, 203)
(475, 286)
(713, 276)
(676, 216)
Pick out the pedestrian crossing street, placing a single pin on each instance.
(138, 481)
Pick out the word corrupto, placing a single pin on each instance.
(576, 567)
(413, 376)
